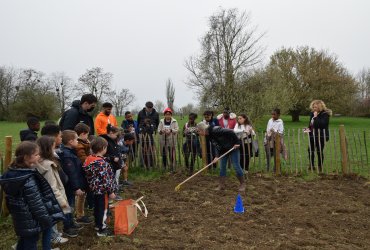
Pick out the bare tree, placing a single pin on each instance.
(159, 106)
(363, 79)
(120, 100)
(63, 87)
(170, 93)
(8, 79)
(95, 81)
(229, 49)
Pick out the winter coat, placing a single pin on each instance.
(102, 121)
(223, 139)
(154, 117)
(75, 115)
(83, 150)
(113, 151)
(320, 124)
(30, 201)
(72, 166)
(231, 121)
(49, 170)
(28, 135)
(168, 140)
(100, 175)
(126, 124)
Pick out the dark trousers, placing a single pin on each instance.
(100, 210)
(168, 153)
(318, 146)
(211, 152)
(90, 200)
(30, 242)
(68, 222)
(245, 155)
(190, 149)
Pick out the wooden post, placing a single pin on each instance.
(204, 150)
(7, 160)
(277, 154)
(343, 149)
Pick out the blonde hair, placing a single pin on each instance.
(321, 106)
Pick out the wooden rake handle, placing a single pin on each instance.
(177, 188)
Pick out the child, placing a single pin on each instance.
(274, 126)
(101, 180)
(30, 134)
(168, 129)
(30, 199)
(211, 150)
(48, 168)
(126, 144)
(72, 166)
(113, 153)
(147, 143)
(129, 125)
(82, 151)
(244, 130)
(191, 146)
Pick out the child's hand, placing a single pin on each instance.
(112, 196)
(79, 192)
(116, 159)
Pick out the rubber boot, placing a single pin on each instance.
(242, 183)
(221, 185)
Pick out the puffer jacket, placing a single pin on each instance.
(153, 116)
(223, 139)
(113, 151)
(319, 125)
(49, 170)
(30, 201)
(72, 167)
(75, 115)
(168, 140)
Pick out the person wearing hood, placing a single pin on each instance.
(30, 199)
(227, 119)
(30, 134)
(79, 113)
(274, 126)
(148, 112)
(104, 118)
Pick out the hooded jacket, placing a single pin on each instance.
(30, 201)
(101, 122)
(223, 139)
(113, 151)
(75, 115)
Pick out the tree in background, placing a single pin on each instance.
(95, 81)
(63, 87)
(120, 100)
(363, 106)
(170, 94)
(229, 49)
(8, 77)
(159, 106)
(298, 76)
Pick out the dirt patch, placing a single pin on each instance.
(280, 213)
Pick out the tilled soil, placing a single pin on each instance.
(280, 213)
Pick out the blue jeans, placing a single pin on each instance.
(235, 160)
(30, 242)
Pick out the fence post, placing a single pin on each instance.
(204, 150)
(343, 149)
(7, 160)
(277, 154)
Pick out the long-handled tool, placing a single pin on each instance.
(177, 188)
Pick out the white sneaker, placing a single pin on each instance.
(59, 240)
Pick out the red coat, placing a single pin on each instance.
(232, 121)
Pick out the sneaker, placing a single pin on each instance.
(15, 246)
(77, 226)
(105, 233)
(84, 220)
(118, 198)
(59, 240)
(70, 232)
(126, 183)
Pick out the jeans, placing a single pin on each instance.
(235, 160)
(30, 242)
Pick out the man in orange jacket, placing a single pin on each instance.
(104, 118)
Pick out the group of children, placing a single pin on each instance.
(53, 176)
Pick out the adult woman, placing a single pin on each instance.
(318, 129)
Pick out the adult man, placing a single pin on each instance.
(148, 112)
(79, 113)
(224, 140)
(104, 118)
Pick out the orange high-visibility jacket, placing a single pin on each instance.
(102, 121)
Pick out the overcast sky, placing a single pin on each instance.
(143, 43)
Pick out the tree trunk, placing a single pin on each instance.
(295, 115)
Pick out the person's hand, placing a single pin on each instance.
(215, 160)
(112, 196)
(79, 192)
(116, 159)
(236, 146)
(125, 167)
(315, 114)
(306, 130)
